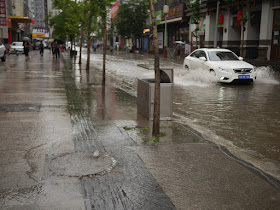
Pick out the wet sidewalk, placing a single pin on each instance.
(69, 143)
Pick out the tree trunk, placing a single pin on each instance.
(88, 38)
(82, 38)
(156, 120)
(104, 49)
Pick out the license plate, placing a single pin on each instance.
(243, 76)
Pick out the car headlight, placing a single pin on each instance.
(224, 69)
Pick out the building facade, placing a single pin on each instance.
(256, 38)
(19, 16)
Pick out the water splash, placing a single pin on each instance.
(199, 77)
(265, 74)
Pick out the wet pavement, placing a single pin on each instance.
(69, 143)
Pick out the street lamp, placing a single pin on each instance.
(165, 12)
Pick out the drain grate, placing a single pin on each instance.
(20, 107)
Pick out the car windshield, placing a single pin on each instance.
(222, 56)
(17, 44)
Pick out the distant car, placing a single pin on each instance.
(225, 65)
(2, 52)
(17, 46)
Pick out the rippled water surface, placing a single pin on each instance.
(243, 117)
(248, 116)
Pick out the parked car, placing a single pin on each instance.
(225, 65)
(17, 46)
(2, 52)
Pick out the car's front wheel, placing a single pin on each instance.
(212, 72)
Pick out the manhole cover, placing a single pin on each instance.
(20, 107)
(80, 164)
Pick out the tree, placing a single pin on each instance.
(131, 18)
(156, 119)
(66, 23)
(102, 8)
(195, 17)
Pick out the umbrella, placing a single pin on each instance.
(179, 42)
(26, 38)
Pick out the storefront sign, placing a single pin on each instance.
(109, 14)
(158, 17)
(38, 35)
(176, 12)
(3, 18)
(160, 40)
(40, 32)
(115, 9)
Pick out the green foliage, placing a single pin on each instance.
(74, 13)
(68, 20)
(131, 18)
(196, 12)
(162, 134)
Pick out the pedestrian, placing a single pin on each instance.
(178, 51)
(61, 48)
(26, 49)
(56, 49)
(94, 47)
(52, 48)
(41, 47)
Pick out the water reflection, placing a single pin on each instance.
(245, 116)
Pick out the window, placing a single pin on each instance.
(198, 53)
(195, 54)
(222, 56)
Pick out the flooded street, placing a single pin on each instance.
(243, 118)
(68, 142)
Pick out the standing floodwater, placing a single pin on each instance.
(245, 118)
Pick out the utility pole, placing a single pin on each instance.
(216, 26)
(165, 12)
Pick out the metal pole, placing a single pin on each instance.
(216, 26)
(165, 12)
(165, 41)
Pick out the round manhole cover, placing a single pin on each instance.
(80, 164)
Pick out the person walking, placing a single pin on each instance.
(26, 49)
(56, 49)
(52, 48)
(41, 47)
(178, 51)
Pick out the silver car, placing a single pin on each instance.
(2, 52)
(17, 46)
(225, 65)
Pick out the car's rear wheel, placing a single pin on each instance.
(3, 59)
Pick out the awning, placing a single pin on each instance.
(20, 19)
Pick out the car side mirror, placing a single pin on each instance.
(240, 58)
(202, 58)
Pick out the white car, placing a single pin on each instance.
(225, 65)
(2, 52)
(17, 46)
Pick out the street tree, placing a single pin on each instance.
(196, 16)
(82, 29)
(102, 8)
(156, 117)
(131, 18)
(66, 23)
